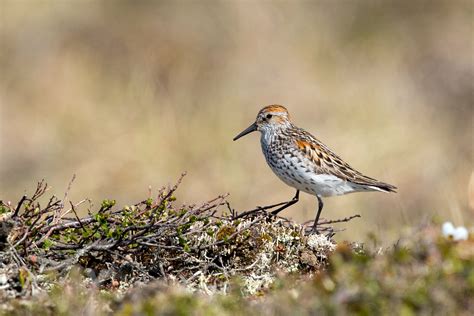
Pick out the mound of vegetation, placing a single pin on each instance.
(201, 247)
(155, 257)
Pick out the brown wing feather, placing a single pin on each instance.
(329, 163)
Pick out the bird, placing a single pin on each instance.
(303, 162)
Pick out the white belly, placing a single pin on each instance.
(296, 175)
(298, 172)
(322, 184)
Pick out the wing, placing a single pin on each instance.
(328, 162)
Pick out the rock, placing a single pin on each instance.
(309, 258)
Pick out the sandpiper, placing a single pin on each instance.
(304, 163)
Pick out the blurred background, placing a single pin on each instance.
(128, 94)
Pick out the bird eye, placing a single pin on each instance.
(269, 116)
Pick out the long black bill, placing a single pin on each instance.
(250, 129)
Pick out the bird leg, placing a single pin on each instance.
(287, 204)
(320, 208)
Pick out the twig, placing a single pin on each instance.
(41, 188)
(77, 217)
(172, 190)
(66, 194)
(345, 219)
(17, 210)
(72, 207)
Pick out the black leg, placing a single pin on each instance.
(288, 204)
(320, 208)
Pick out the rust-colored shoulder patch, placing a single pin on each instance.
(302, 144)
(310, 151)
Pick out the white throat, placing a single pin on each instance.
(268, 135)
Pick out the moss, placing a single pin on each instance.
(225, 232)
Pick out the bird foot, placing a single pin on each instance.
(314, 230)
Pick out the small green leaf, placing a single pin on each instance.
(47, 243)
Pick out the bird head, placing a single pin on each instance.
(270, 118)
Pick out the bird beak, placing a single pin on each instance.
(250, 129)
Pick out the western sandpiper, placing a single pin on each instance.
(304, 163)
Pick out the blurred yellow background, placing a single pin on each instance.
(127, 94)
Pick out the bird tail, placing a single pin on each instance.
(370, 184)
(384, 187)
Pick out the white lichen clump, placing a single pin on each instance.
(255, 282)
(320, 243)
(254, 250)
